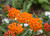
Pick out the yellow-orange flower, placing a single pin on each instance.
(35, 24)
(12, 13)
(14, 27)
(23, 16)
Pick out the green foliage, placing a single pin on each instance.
(2, 29)
(46, 7)
(1, 33)
(42, 1)
(45, 18)
(23, 33)
(28, 33)
(26, 4)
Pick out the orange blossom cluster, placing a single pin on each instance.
(23, 16)
(12, 13)
(14, 27)
(8, 33)
(7, 7)
(35, 24)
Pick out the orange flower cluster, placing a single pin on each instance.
(12, 13)
(46, 27)
(7, 7)
(8, 33)
(35, 24)
(23, 16)
(15, 28)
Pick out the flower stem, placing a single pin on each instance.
(35, 14)
(32, 33)
(23, 25)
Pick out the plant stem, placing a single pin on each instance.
(23, 25)
(35, 14)
(32, 34)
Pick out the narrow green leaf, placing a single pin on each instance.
(13, 3)
(25, 33)
(28, 33)
(42, 1)
(24, 6)
(35, 33)
(2, 29)
(1, 33)
(22, 33)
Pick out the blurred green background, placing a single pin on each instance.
(27, 5)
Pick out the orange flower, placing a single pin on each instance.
(12, 13)
(8, 33)
(15, 28)
(35, 24)
(7, 7)
(23, 16)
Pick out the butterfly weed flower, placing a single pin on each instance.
(12, 13)
(14, 27)
(23, 16)
(35, 24)
(7, 7)
(9, 33)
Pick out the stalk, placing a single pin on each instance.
(32, 33)
(23, 25)
(35, 14)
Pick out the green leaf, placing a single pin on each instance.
(1, 33)
(22, 33)
(35, 33)
(42, 27)
(28, 33)
(28, 7)
(46, 7)
(7, 2)
(13, 3)
(42, 1)
(2, 29)
(24, 6)
(25, 33)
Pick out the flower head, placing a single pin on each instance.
(7, 7)
(14, 27)
(35, 24)
(46, 27)
(8, 33)
(12, 13)
(23, 16)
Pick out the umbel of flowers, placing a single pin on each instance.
(8, 33)
(46, 27)
(16, 28)
(35, 24)
(23, 17)
(12, 13)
